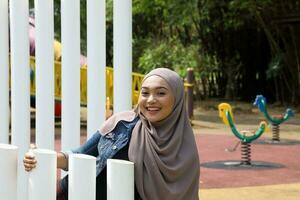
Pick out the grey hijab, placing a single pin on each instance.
(165, 155)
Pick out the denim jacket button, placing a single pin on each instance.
(114, 147)
(109, 135)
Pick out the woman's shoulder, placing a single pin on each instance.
(110, 123)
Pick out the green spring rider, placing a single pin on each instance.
(245, 137)
(275, 121)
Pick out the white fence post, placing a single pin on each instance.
(122, 57)
(4, 73)
(82, 177)
(44, 68)
(70, 37)
(42, 179)
(96, 50)
(20, 87)
(8, 172)
(120, 180)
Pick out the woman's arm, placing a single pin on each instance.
(30, 161)
(89, 148)
(62, 161)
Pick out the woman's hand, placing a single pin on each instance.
(29, 160)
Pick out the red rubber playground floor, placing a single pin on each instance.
(212, 148)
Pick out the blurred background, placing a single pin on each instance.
(237, 48)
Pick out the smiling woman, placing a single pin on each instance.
(156, 136)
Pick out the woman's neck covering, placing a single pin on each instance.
(165, 155)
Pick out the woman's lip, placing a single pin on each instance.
(152, 112)
(153, 109)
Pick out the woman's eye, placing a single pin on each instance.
(161, 93)
(144, 93)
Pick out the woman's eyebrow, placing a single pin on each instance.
(157, 88)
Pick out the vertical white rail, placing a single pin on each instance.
(8, 172)
(122, 57)
(70, 37)
(20, 87)
(96, 51)
(120, 179)
(82, 177)
(42, 179)
(44, 67)
(4, 73)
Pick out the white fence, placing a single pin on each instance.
(82, 176)
(14, 15)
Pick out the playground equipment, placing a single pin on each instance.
(245, 136)
(56, 44)
(136, 84)
(275, 121)
(136, 77)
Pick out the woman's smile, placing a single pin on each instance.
(152, 110)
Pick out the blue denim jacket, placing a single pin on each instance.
(105, 147)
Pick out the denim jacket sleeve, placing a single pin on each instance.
(89, 148)
(106, 146)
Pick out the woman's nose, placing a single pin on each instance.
(151, 98)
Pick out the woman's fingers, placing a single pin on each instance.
(29, 161)
(29, 165)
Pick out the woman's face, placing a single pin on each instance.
(156, 100)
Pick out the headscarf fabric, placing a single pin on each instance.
(165, 155)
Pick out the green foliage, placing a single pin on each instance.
(171, 54)
(206, 65)
(231, 38)
(275, 66)
(171, 12)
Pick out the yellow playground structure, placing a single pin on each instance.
(136, 82)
